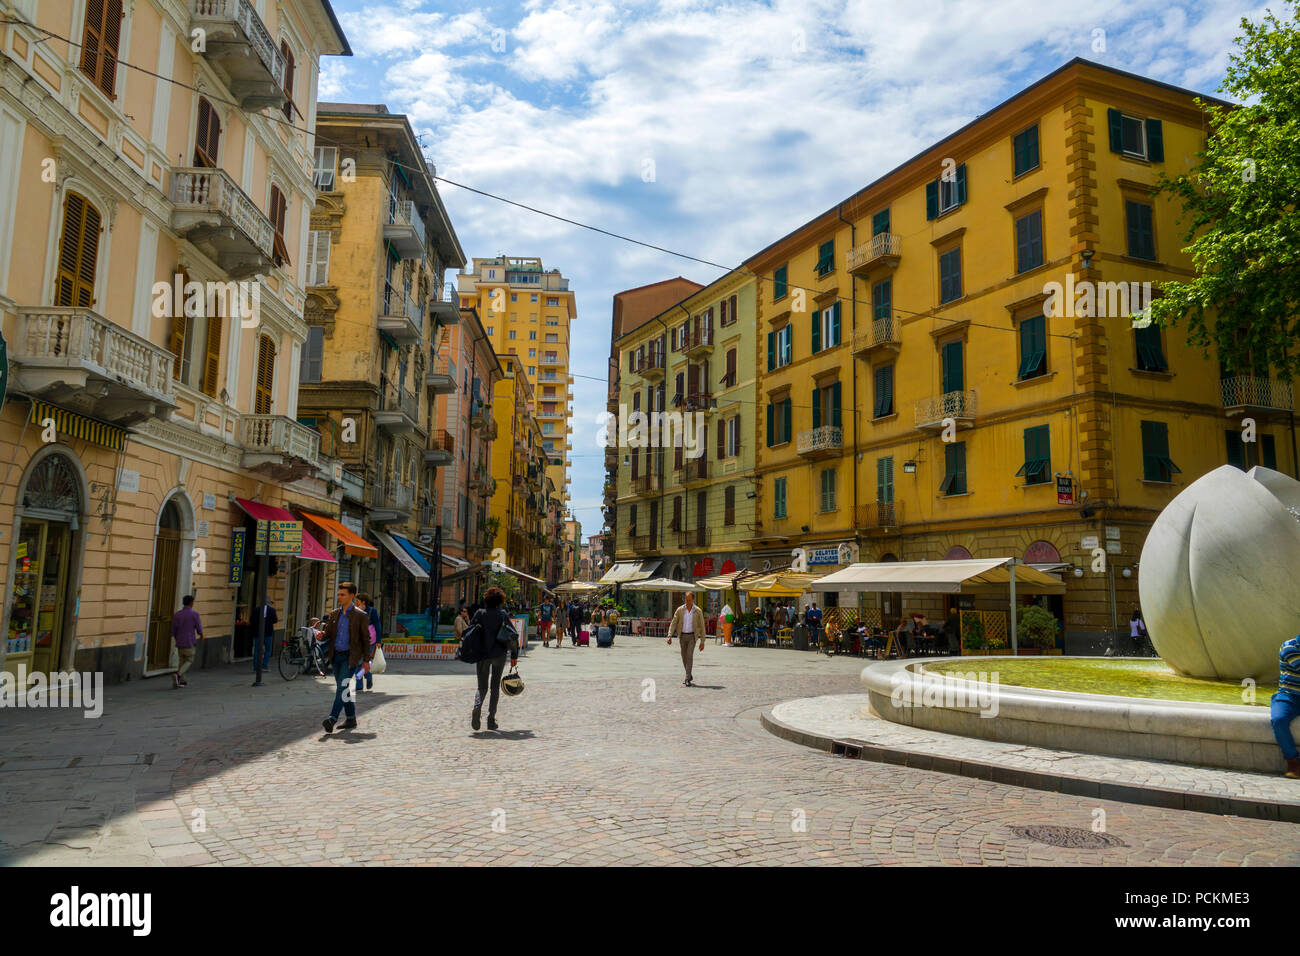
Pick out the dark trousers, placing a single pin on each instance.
(263, 647)
(342, 674)
(490, 669)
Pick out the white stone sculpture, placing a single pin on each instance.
(1220, 574)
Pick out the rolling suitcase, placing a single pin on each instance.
(584, 637)
(605, 636)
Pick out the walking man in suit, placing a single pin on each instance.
(688, 624)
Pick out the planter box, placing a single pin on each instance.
(988, 652)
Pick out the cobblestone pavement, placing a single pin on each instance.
(584, 771)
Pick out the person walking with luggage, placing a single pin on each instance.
(347, 633)
(496, 637)
(575, 621)
(376, 639)
(187, 629)
(688, 625)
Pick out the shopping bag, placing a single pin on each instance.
(378, 664)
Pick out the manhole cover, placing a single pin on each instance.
(1068, 837)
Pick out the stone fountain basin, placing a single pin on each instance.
(1235, 737)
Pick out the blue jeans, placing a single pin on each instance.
(265, 648)
(370, 678)
(1281, 709)
(342, 674)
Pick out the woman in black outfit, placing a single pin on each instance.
(495, 621)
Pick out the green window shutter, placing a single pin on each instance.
(835, 404)
(786, 431)
(1141, 235)
(1236, 448)
(954, 479)
(816, 331)
(932, 199)
(779, 283)
(1268, 452)
(1033, 348)
(771, 424)
(881, 305)
(952, 368)
(1155, 141)
(835, 324)
(787, 345)
(817, 408)
(1150, 462)
(771, 351)
(961, 183)
(884, 387)
(1116, 125)
(1151, 355)
(880, 222)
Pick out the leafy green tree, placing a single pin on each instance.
(1241, 211)
(508, 583)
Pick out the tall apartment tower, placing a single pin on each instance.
(526, 310)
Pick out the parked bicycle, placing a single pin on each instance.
(302, 654)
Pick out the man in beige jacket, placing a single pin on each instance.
(688, 624)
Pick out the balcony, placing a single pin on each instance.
(480, 414)
(238, 43)
(446, 308)
(882, 250)
(79, 360)
(697, 469)
(441, 376)
(398, 411)
(823, 442)
(553, 415)
(490, 429)
(399, 316)
(212, 212)
(554, 360)
(391, 503)
(1250, 395)
(880, 336)
(354, 487)
(698, 402)
(651, 367)
(278, 447)
(549, 377)
(699, 538)
(644, 543)
(441, 450)
(931, 413)
(699, 341)
(646, 484)
(404, 229)
(880, 517)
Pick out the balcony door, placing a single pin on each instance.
(78, 253)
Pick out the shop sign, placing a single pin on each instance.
(1112, 533)
(1089, 542)
(1064, 490)
(824, 556)
(728, 567)
(279, 537)
(237, 555)
(128, 481)
(703, 568)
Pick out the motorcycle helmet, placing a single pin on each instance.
(512, 684)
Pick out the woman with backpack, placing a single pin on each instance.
(492, 635)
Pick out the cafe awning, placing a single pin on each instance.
(724, 582)
(976, 576)
(662, 584)
(577, 587)
(313, 550)
(625, 571)
(414, 551)
(352, 543)
(260, 512)
(778, 584)
(402, 556)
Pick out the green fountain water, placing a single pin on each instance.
(1122, 677)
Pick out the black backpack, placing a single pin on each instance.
(475, 645)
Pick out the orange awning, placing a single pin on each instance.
(352, 543)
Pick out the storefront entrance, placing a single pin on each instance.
(42, 610)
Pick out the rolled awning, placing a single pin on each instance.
(977, 576)
(352, 543)
(400, 553)
(413, 552)
(625, 571)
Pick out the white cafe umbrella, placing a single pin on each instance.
(661, 584)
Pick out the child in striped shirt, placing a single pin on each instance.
(1285, 704)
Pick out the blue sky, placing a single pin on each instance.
(752, 116)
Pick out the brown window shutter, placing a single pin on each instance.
(207, 138)
(731, 366)
(677, 514)
(176, 345)
(288, 79)
(701, 508)
(265, 376)
(212, 360)
(677, 457)
(112, 38)
(78, 253)
(279, 210)
(729, 505)
(722, 443)
(692, 379)
(732, 310)
(92, 39)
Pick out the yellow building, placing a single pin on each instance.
(518, 471)
(922, 392)
(527, 310)
(150, 417)
(691, 505)
(380, 244)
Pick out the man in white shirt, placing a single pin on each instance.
(688, 624)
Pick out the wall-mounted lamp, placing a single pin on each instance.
(909, 468)
(1127, 572)
(1078, 572)
(805, 529)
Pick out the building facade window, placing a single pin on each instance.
(1024, 151)
(99, 44)
(1037, 468)
(1029, 241)
(827, 489)
(950, 275)
(1033, 347)
(954, 472)
(883, 381)
(1156, 463)
(778, 498)
(78, 253)
(1150, 351)
(779, 284)
(1141, 229)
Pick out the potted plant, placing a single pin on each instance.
(972, 633)
(1035, 630)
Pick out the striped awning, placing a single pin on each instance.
(79, 426)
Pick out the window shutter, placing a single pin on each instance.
(1155, 141)
(771, 351)
(932, 199)
(961, 183)
(735, 436)
(207, 137)
(212, 356)
(677, 456)
(103, 34)
(1116, 124)
(265, 393)
(835, 404)
(771, 424)
(78, 253)
(1236, 448)
(787, 345)
(786, 431)
(731, 366)
(816, 331)
(288, 79)
(817, 408)
(176, 344)
(692, 379)
(952, 370)
(1267, 451)
(731, 309)
(878, 409)
(722, 443)
(92, 39)
(835, 324)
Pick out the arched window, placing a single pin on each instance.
(53, 486)
(78, 253)
(265, 395)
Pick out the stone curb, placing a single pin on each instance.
(1169, 798)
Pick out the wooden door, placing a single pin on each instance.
(162, 604)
